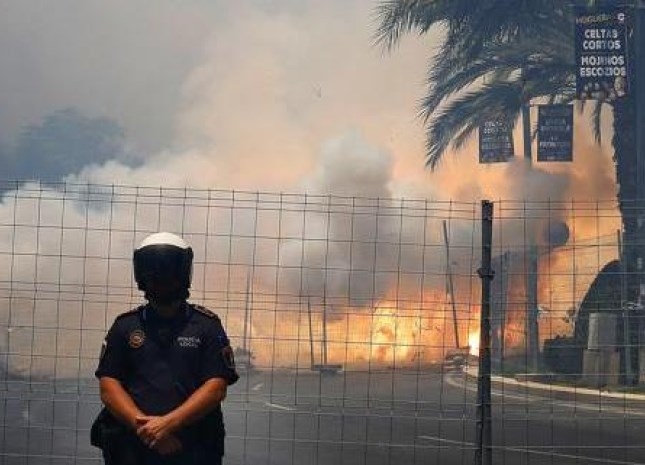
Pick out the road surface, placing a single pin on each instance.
(359, 418)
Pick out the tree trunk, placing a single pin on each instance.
(624, 143)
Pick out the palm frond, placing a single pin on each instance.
(504, 22)
(499, 63)
(398, 17)
(548, 46)
(467, 112)
(495, 56)
(596, 120)
(463, 136)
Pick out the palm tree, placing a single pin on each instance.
(495, 57)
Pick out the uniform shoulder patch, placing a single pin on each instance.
(204, 311)
(132, 312)
(229, 357)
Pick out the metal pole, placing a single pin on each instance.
(324, 328)
(484, 451)
(245, 344)
(506, 258)
(451, 289)
(311, 334)
(624, 307)
(532, 301)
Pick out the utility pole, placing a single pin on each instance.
(450, 288)
(532, 329)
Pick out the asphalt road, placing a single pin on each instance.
(386, 417)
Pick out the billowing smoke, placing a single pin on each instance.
(261, 100)
(340, 249)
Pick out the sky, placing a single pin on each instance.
(232, 84)
(247, 95)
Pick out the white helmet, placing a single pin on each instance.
(161, 256)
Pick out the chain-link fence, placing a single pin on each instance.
(355, 323)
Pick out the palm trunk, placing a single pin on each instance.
(624, 143)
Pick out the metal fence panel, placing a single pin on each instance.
(342, 312)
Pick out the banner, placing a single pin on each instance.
(555, 133)
(495, 142)
(601, 53)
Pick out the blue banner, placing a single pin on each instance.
(555, 133)
(496, 142)
(601, 53)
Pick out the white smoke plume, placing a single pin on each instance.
(252, 98)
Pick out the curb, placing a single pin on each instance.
(512, 382)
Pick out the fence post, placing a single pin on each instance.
(532, 327)
(484, 451)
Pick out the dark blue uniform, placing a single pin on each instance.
(160, 362)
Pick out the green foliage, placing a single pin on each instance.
(494, 57)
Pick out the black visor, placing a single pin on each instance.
(163, 262)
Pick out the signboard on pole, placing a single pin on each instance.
(496, 142)
(601, 53)
(555, 133)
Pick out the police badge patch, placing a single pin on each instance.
(229, 359)
(136, 339)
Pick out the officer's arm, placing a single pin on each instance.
(112, 370)
(118, 401)
(199, 404)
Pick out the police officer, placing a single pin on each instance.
(164, 369)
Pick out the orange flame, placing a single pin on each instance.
(473, 343)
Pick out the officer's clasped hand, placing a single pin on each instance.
(156, 432)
